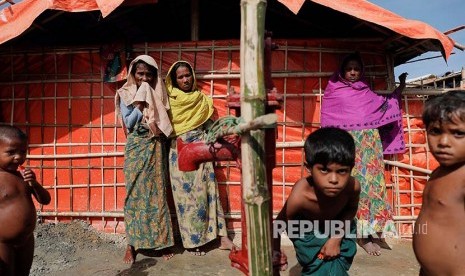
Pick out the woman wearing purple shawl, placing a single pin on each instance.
(375, 122)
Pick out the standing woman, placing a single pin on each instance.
(142, 103)
(375, 122)
(195, 193)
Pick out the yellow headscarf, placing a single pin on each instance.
(189, 110)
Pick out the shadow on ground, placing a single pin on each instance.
(77, 249)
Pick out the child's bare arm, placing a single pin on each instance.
(279, 259)
(280, 225)
(42, 196)
(289, 211)
(331, 248)
(352, 206)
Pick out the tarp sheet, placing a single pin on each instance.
(370, 12)
(15, 19)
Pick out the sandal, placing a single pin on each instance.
(197, 252)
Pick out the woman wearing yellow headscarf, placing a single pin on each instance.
(195, 193)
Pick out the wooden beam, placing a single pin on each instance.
(195, 20)
(6, 1)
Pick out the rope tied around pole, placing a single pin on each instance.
(222, 127)
(236, 125)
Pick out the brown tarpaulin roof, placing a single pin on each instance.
(370, 12)
(15, 19)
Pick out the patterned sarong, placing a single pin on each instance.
(195, 193)
(374, 212)
(146, 213)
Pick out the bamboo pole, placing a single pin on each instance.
(118, 214)
(407, 166)
(256, 196)
(195, 20)
(266, 120)
(70, 131)
(89, 147)
(75, 155)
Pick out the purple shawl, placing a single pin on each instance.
(354, 106)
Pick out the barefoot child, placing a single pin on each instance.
(17, 211)
(322, 205)
(439, 233)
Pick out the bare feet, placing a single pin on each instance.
(381, 242)
(167, 254)
(130, 255)
(377, 247)
(196, 251)
(370, 247)
(226, 243)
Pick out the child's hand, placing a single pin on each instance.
(42, 195)
(279, 260)
(330, 250)
(28, 174)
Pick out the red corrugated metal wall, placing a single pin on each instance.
(59, 98)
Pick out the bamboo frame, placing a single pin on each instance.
(110, 151)
(7, 1)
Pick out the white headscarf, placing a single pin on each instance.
(155, 114)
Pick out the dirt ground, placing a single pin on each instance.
(77, 249)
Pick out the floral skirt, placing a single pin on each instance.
(374, 212)
(195, 193)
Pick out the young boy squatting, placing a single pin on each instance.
(327, 197)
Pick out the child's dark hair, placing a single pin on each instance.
(445, 107)
(12, 132)
(330, 145)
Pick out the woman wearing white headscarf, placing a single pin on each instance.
(142, 105)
